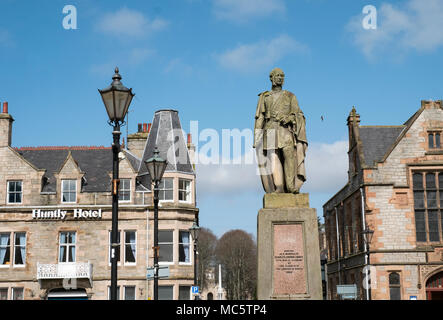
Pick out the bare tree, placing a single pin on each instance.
(237, 252)
(206, 245)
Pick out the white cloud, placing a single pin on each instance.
(243, 10)
(129, 23)
(416, 25)
(178, 66)
(326, 167)
(260, 55)
(326, 170)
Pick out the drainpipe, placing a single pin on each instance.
(365, 240)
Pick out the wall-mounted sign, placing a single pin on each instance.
(59, 214)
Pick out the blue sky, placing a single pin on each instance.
(209, 59)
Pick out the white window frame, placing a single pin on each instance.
(189, 248)
(67, 245)
(173, 193)
(173, 242)
(124, 190)
(13, 293)
(120, 247)
(124, 292)
(188, 192)
(124, 248)
(171, 286)
(75, 183)
(15, 192)
(18, 247)
(6, 246)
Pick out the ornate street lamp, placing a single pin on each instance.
(367, 238)
(156, 167)
(195, 230)
(116, 99)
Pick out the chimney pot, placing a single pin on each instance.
(149, 127)
(139, 127)
(189, 138)
(5, 107)
(144, 127)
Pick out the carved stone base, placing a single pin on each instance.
(288, 249)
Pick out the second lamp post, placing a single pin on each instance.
(156, 167)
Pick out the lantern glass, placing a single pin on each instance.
(156, 166)
(195, 230)
(116, 99)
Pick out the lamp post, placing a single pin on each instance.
(195, 230)
(156, 167)
(116, 99)
(367, 238)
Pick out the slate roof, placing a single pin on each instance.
(166, 133)
(96, 162)
(377, 140)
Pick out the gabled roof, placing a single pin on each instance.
(96, 162)
(377, 140)
(166, 134)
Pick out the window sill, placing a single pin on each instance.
(185, 263)
(19, 266)
(165, 263)
(130, 264)
(5, 266)
(434, 152)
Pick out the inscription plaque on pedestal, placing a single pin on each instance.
(289, 262)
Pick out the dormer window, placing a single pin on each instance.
(434, 140)
(69, 191)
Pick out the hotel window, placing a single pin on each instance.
(117, 248)
(183, 247)
(394, 286)
(17, 293)
(67, 247)
(69, 191)
(129, 292)
(428, 202)
(434, 140)
(5, 249)
(165, 292)
(124, 190)
(130, 247)
(165, 242)
(166, 189)
(184, 190)
(118, 293)
(3, 293)
(19, 248)
(15, 191)
(184, 293)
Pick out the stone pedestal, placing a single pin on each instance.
(288, 249)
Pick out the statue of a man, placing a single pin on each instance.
(280, 138)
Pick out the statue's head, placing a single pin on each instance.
(277, 77)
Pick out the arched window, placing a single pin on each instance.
(394, 286)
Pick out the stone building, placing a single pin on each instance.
(394, 188)
(55, 217)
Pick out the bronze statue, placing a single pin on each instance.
(280, 138)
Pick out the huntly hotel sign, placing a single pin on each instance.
(59, 214)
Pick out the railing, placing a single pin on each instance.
(71, 270)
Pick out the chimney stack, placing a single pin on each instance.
(5, 107)
(5, 126)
